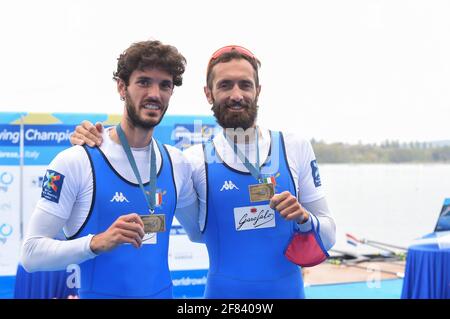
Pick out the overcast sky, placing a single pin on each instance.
(333, 70)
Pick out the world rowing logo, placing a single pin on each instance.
(52, 185)
(51, 179)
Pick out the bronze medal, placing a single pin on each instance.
(154, 223)
(261, 192)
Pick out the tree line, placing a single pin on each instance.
(385, 152)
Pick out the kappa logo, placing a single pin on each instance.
(228, 185)
(119, 198)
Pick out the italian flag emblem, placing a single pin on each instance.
(269, 180)
(158, 198)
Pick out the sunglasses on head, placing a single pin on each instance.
(230, 48)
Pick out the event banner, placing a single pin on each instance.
(30, 141)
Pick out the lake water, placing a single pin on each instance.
(391, 203)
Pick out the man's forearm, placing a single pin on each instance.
(319, 210)
(41, 251)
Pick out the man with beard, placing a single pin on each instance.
(116, 202)
(262, 208)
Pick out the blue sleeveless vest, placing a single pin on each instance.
(248, 263)
(126, 272)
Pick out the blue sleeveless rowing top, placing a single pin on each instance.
(246, 259)
(127, 272)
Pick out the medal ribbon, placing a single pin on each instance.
(150, 196)
(255, 170)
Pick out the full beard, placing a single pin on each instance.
(235, 120)
(133, 115)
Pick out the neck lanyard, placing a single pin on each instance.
(255, 170)
(150, 195)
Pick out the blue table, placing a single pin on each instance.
(427, 273)
(42, 285)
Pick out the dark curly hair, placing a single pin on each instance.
(150, 54)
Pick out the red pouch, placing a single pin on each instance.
(306, 249)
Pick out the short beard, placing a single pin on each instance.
(242, 120)
(133, 115)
